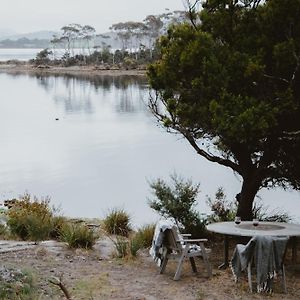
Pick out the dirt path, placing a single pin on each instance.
(95, 275)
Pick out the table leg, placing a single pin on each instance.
(225, 264)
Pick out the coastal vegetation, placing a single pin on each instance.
(177, 201)
(128, 45)
(228, 82)
(117, 222)
(17, 283)
(33, 219)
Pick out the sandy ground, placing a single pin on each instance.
(74, 70)
(97, 275)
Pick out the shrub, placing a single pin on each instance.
(16, 284)
(58, 223)
(3, 231)
(223, 210)
(134, 245)
(121, 244)
(263, 213)
(129, 247)
(78, 236)
(43, 57)
(30, 219)
(144, 236)
(177, 201)
(117, 222)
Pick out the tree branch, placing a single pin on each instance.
(153, 105)
(276, 78)
(225, 162)
(296, 68)
(58, 282)
(191, 11)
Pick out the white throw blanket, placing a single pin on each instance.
(156, 248)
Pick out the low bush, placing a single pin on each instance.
(177, 201)
(30, 219)
(122, 246)
(127, 247)
(263, 213)
(58, 222)
(134, 246)
(78, 236)
(224, 210)
(144, 236)
(16, 284)
(117, 221)
(3, 231)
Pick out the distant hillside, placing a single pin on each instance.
(4, 32)
(40, 35)
(41, 39)
(24, 43)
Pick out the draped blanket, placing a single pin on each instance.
(267, 254)
(158, 238)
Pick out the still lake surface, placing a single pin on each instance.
(102, 151)
(18, 54)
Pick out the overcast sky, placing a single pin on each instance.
(25, 16)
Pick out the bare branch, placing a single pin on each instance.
(276, 78)
(153, 105)
(58, 282)
(191, 8)
(225, 162)
(296, 68)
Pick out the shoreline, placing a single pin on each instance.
(26, 68)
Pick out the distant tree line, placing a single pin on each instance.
(128, 44)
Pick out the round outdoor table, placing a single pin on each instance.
(247, 229)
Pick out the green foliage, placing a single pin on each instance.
(129, 247)
(223, 210)
(121, 246)
(129, 63)
(263, 213)
(58, 223)
(117, 221)
(3, 231)
(177, 201)
(43, 57)
(229, 83)
(16, 284)
(30, 219)
(144, 235)
(78, 236)
(134, 246)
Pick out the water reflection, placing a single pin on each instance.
(75, 92)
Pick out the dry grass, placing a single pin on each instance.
(88, 275)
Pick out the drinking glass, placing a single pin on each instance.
(255, 222)
(237, 220)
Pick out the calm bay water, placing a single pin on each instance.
(19, 54)
(102, 151)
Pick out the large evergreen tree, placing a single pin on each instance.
(229, 82)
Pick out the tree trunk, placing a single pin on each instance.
(246, 197)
